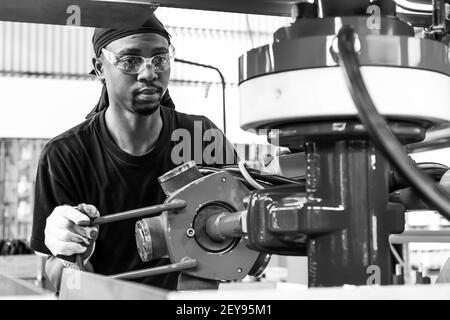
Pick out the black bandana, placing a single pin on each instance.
(103, 37)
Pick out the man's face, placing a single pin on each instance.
(138, 93)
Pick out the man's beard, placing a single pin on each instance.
(145, 110)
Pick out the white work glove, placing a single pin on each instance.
(65, 236)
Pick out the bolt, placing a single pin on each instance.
(239, 270)
(246, 201)
(224, 179)
(190, 232)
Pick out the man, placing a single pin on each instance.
(111, 162)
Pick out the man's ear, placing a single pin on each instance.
(98, 68)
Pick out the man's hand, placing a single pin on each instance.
(64, 235)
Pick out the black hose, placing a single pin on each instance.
(432, 165)
(271, 178)
(434, 170)
(258, 175)
(209, 170)
(378, 129)
(266, 180)
(414, 9)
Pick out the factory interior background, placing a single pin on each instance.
(46, 88)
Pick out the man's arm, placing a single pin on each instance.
(55, 231)
(53, 188)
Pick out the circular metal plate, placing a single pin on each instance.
(233, 264)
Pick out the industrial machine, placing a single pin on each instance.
(348, 215)
(315, 88)
(342, 214)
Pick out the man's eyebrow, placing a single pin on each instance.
(130, 51)
(161, 49)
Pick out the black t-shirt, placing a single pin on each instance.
(84, 165)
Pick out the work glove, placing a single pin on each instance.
(67, 234)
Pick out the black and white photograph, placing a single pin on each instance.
(224, 156)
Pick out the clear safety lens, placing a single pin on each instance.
(135, 64)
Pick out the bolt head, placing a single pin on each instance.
(190, 232)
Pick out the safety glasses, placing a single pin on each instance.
(131, 64)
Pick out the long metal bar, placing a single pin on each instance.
(434, 139)
(86, 13)
(151, 211)
(269, 7)
(183, 265)
(2, 185)
(122, 14)
(434, 236)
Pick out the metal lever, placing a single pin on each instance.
(151, 211)
(188, 263)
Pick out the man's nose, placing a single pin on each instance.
(148, 73)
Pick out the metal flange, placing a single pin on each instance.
(230, 260)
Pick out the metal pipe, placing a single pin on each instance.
(222, 80)
(151, 211)
(436, 236)
(179, 177)
(438, 15)
(183, 265)
(225, 225)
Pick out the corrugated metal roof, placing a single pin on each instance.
(48, 49)
(213, 38)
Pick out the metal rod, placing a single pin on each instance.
(183, 265)
(438, 16)
(224, 85)
(151, 211)
(437, 236)
(225, 225)
(2, 186)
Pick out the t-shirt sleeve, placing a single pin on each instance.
(218, 151)
(53, 188)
